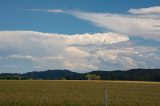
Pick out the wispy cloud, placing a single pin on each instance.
(149, 10)
(47, 10)
(9, 66)
(141, 22)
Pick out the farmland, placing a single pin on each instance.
(78, 93)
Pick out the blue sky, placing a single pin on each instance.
(82, 35)
(14, 15)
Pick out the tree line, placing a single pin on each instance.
(132, 75)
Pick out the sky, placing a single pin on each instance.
(81, 36)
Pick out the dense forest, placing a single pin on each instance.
(132, 75)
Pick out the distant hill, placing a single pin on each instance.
(133, 75)
(49, 74)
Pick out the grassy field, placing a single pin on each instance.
(78, 93)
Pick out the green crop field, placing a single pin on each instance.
(78, 93)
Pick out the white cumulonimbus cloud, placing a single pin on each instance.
(82, 39)
(23, 51)
(50, 50)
